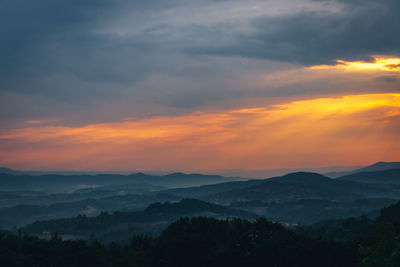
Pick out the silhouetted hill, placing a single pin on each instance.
(303, 185)
(120, 225)
(14, 198)
(379, 166)
(309, 211)
(4, 170)
(21, 215)
(190, 207)
(361, 229)
(178, 179)
(391, 214)
(194, 242)
(68, 183)
(391, 176)
(204, 190)
(300, 197)
(299, 185)
(297, 197)
(202, 241)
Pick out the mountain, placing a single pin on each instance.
(300, 185)
(69, 183)
(265, 173)
(290, 187)
(20, 215)
(119, 226)
(25, 197)
(391, 214)
(308, 211)
(276, 185)
(300, 197)
(36, 173)
(379, 166)
(297, 197)
(391, 176)
(179, 179)
(358, 228)
(192, 207)
(205, 190)
(337, 187)
(9, 171)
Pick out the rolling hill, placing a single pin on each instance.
(69, 183)
(391, 176)
(120, 226)
(378, 166)
(290, 187)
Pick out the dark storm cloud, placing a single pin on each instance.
(52, 38)
(361, 29)
(47, 37)
(130, 58)
(73, 56)
(41, 38)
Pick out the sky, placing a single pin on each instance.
(198, 85)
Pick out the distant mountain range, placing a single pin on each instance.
(301, 197)
(120, 226)
(332, 172)
(20, 215)
(69, 183)
(301, 185)
(304, 197)
(10, 171)
(390, 176)
(379, 166)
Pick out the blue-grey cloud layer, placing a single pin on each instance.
(71, 57)
(361, 29)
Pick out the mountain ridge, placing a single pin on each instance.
(390, 176)
(119, 225)
(378, 166)
(66, 183)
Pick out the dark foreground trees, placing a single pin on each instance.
(187, 242)
(205, 242)
(209, 242)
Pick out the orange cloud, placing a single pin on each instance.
(380, 76)
(348, 130)
(379, 63)
(41, 121)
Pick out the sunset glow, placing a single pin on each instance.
(379, 63)
(344, 129)
(198, 85)
(199, 133)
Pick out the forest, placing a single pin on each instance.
(201, 241)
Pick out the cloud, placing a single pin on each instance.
(88, 61)
(349, 130)
(34, 122)
(360, 29)
(346, 77)
(81, 37)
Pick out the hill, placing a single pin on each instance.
(300, 197)
(378, 166)
(120, 225)
(20, 215)
(205, 190)
(200, 241)
(391, 176)
(4, 170)
(303, 185)
(69, 183)
(310, 211)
